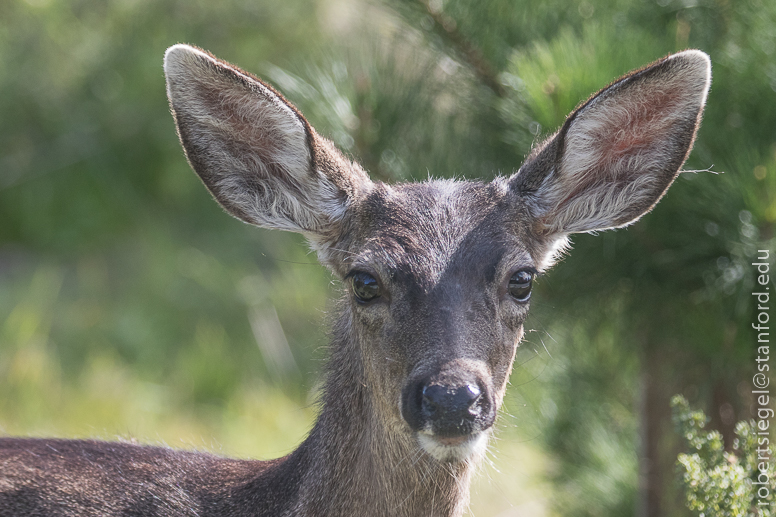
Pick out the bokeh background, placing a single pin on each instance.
(132, 307)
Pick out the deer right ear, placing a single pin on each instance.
(618, 153)
(254, 151)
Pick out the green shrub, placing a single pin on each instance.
(721, 483)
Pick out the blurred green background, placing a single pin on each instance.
(132, 307)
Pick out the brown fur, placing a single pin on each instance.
(442, 254)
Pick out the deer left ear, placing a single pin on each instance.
(618, 153)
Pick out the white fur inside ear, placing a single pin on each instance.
(619, 147)
(553, 250)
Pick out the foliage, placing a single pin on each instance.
(128, 302)
(719, 482)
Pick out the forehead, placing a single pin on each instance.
(425, 229)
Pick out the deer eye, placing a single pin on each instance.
(520, 285)
(365, 287)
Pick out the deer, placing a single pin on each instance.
(436, 280)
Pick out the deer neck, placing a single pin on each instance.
(359, 465)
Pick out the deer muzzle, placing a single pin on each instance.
(450, 412)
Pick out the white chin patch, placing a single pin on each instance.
(454, 449)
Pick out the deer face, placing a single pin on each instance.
(438, 276)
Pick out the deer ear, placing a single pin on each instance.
(618, 153)
(254, 151)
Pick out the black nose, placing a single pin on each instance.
(447, 410)
(444, 401)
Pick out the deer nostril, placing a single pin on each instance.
(470, 393)
(432, 399)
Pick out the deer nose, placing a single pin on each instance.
(450, 403)
(447, 410)
(445, 401)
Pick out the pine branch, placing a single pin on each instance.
(470, 53)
